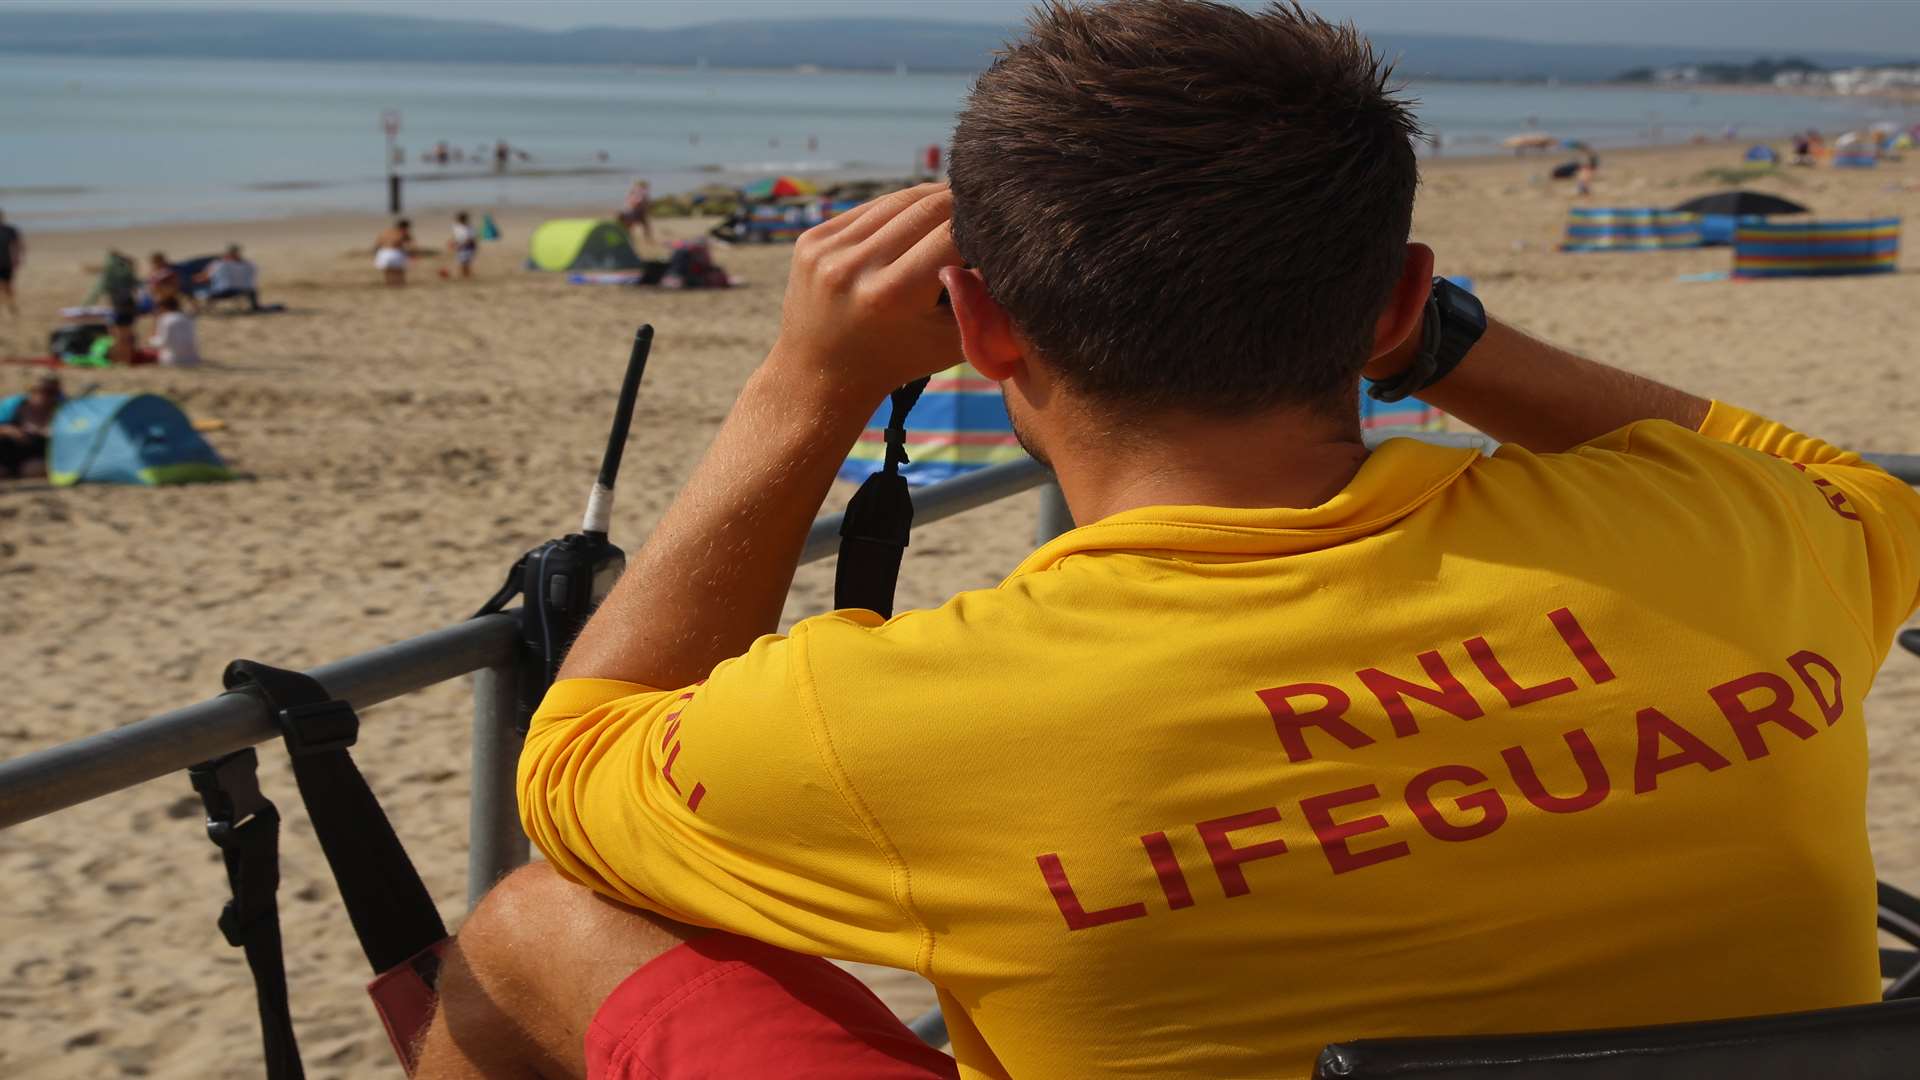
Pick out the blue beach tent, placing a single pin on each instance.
(128, 439)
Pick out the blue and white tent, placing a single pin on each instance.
(128, 439)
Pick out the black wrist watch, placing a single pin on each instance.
(1454, 322)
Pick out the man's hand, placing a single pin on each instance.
(861, 317)
(862, 312)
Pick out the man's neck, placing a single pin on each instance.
(1285, 457)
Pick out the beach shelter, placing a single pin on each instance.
(959, 425)
(1405, 413)
(128, 439)
(1723, 212)
(778, 187)
(1763, 154)
(1765, 249)
(581, 244)
(1637, 228)
(1856, 156)
(766, 223)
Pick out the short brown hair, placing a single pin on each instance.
(1186, 205)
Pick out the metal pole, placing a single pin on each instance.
(496, 843)
(1054, 517)
(86, 768)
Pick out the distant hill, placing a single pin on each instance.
(782, 43)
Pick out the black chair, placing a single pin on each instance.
(1862, 1042)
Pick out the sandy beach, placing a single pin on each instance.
(401, 447)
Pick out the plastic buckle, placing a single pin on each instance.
(319, 728)
(229, 788)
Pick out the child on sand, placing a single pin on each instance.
(173, 335)
(463, 245)
(638, 210)
(390, 252)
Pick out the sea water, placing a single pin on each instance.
(101, 142)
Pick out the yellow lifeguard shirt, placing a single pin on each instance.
(1503, 744)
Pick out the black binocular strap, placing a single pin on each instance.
(392, 913)
(879, 519)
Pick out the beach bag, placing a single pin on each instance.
(392, 913)
(488, 230)
(76, 340)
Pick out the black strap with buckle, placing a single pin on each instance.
(392, 913)
(245, 826)
(879, 519)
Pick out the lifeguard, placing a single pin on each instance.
(1289, 741)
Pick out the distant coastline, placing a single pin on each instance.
(310, 140)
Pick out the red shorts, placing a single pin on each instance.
(727, 1006)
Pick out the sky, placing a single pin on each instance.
(1779, 25)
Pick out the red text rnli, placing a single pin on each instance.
(1317, 716)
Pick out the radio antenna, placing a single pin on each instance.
(600, 499)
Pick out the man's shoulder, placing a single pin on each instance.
(1655, 449)
(964, 616)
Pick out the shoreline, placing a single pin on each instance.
(429, 200)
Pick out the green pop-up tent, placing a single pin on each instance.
(581, 244)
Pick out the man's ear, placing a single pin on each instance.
(1400, 319)
(986, 333)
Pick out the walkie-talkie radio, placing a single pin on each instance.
(563, 580)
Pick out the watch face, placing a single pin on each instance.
(1461, 307)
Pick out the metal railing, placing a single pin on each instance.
(44, 781)
(41, 782)
(57, 777)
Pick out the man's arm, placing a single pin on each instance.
(861, 317)
(1524, 391)
(1863, 525)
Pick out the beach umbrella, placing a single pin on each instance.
(1741, 204)
(778, 187)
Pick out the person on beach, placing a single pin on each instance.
(1292, 739)
(119, 285)
(162, 282)
(463, 244)
(13, 252)
(26, 425)
(174, 339)
(392, 250)
(637, 212)
(231, 276)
